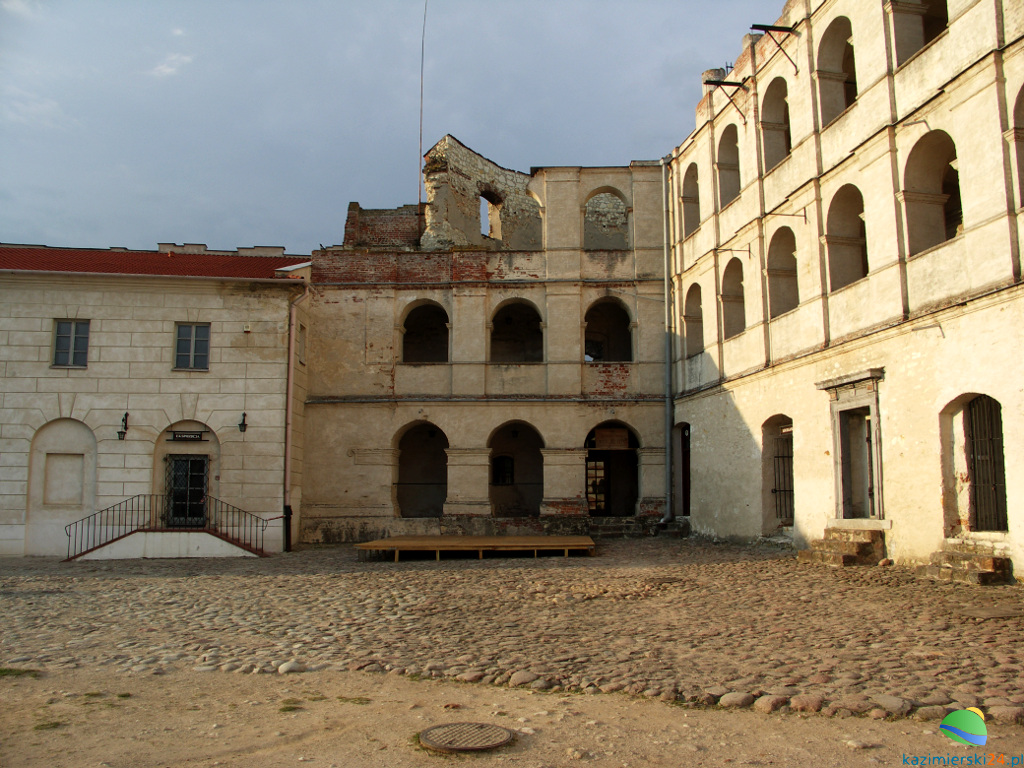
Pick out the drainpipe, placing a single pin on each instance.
(669, 415)
(292, 333)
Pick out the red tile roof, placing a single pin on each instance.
(97, 261)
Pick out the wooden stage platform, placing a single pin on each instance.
(480, 544)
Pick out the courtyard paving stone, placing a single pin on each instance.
(675, 619)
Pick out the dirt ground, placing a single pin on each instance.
(77, 718)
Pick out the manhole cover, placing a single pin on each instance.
(465, 737)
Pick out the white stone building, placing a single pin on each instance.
(154, 384)
(846, 232)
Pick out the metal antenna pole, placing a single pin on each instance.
(423, 48)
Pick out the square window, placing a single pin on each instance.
(71, 343)
(192, 346)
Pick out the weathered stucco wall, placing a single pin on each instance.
(509, 354)
(873, 177)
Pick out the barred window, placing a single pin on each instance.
(503, 470)
(192, 349)
(71, 343)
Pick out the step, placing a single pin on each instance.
(972, 562)
(960, 575)
(841, 547)
(967, 547)
(853, 534)
(834, 559)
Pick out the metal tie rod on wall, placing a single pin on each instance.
(769, 29)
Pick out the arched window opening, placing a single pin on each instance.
(607, 338)
(693, 320)
(935, 19)
(691, 201)
(422, 472)
(517, 336)
(837, 71)
(490, 215)
(776, 136)
(974, 466)
(846, 238)
(517, 471)
(425, 337)
(612, 471)
(728, 166)
(914, 26)
(932, 193)
(734, 318)
(777, 473)
(783, 292)
(605, 223)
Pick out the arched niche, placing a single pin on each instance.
(61, 484)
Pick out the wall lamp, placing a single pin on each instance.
(124, 427)
(242, 426)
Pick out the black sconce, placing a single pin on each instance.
(242, 426)
(124, 427)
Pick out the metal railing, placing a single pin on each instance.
(235, 524)
(112, 523)
(150, 512)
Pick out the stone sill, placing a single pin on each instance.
(859, 524)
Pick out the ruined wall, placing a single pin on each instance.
(605, 224)
(456, 179)
(383, 228)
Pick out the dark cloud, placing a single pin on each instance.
(240, 123)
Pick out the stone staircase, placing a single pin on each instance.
(967, 562)
(845, 546)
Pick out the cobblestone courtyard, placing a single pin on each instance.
(663, 618)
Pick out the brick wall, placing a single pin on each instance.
(383, 228)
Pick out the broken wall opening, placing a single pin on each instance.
(605, 223)
(473, 202)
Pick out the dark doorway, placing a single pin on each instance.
(187, 479)
(422, 472)
(984, 428)
(777, 472)
(857, 463)
(612, 471)
(517, 471)
(681, 474)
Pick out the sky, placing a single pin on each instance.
(124, 123)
